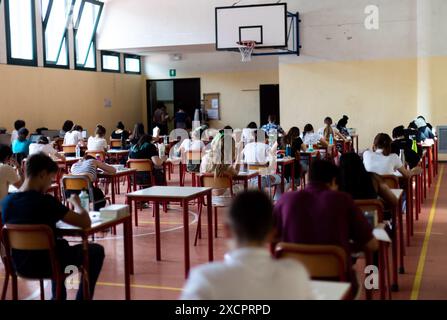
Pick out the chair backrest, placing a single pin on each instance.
(75, 182)
(28, 237)
(116, 143)
(141, 165)
(194, 157)
(391, 181)
(257, 166)
(321, 261)
(371, 206)
(58, 144)
(210, 181)
(69, 148)
(94, 153)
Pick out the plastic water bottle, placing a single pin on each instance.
(85, 200)
(288, 150)
(161, 150)
(331, 140)
(78, 151)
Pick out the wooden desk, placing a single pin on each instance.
(184, 195)
(246, 176)
(117, 155)
(98, 225)
(112, 178)
(330, 290)
(282, 164)
(69, 161)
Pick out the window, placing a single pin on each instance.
(20, 32)
(55, 20)
(110, 61)
(87, 15)
(132, 64)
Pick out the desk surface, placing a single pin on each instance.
(124, 171)
(169, 192)
(285, 160)
(330, 290)
(117, 151)
(97, 222)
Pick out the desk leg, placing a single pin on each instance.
(86, 267)
(293, 176)
(210, 227)
(409, 208)
(127, 256)
(113, 181)
(157, 230)
(282, 178)
(245, 184)
(401, 239)
(186, 234)
(424, 169)
(260, 182)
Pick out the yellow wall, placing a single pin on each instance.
(237, 107)
(376, 95)
(46, 97)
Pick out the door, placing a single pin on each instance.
(269, 102)
(187, 95)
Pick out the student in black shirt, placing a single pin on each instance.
(121, 133)
(33, 206)
(293, 139)
(401, 142)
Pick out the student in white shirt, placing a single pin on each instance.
(248, 271)
(10, 173)
(98, 142)
(248, 133)
(45, 147)
(382, 161)
(74, 136)
(18, 124)
(195, 145)
(312, 138)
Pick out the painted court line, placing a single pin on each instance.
(139, 286)
(420, 269)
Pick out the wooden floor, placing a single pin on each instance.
(164, 280)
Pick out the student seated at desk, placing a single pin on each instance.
(248, 133)
(98, 142)
(260, 153)
(382, 161)
(137, 133)
(74, 136)
(310, 138)
(145, 149)
(272, 125)
(20, 147)
(121, 134)
(297, 145)
(402, 142)
(341, 126)
(44, 146)
(67, 126)
(18, 124)
(248, 271)
(361, 184)
(320, 214)
(31, 205)
(89, 166)
(10, 172)
(330, 129)
(195, 144)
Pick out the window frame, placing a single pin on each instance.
(18, 61)
(66, 37)
(132, 56)
(110, 53)
(93, 41)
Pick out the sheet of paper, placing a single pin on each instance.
(215, 103)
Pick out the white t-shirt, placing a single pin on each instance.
(382, 165)
(96, 144)
(45, 148)
(14, 136)
(8, 176)
(257, 152)
(248, 135)
(72, 138)
(192, 145)
(249, 274)
(311, 138)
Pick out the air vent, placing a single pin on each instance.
(442, 136)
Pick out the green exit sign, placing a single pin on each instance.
(172, 72)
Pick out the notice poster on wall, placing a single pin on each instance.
(212, 105)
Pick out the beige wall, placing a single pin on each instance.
(239, 94)
(376, 95)
(45, 97)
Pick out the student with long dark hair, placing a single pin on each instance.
(137, 133)
(67, 126)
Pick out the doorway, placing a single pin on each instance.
(269, 102)
(174, 93)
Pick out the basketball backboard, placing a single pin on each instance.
(271, 26)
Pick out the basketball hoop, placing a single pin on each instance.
(246, 48)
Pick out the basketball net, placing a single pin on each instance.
(246, 48)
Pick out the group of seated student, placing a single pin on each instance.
(43, 145)
(194, 145)
(33, 206)
(423, 129)
(73, 137)
(402, 142)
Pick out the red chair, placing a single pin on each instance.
(29, 237)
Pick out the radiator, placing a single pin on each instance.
(442, 139)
